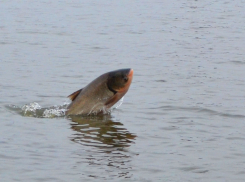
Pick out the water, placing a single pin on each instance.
(182, 118)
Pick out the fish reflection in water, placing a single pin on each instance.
(106, 141)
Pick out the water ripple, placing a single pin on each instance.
(196, 110)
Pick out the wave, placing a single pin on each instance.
(34, 109)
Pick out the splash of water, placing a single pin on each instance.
(56, 111)
(118, 104)
(30, 110)
(35, 110)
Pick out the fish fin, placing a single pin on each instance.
(113, 100)
(74, 95)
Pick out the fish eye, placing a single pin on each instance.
(125, 79)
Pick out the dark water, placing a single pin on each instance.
(182, 119)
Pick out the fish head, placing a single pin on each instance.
(120, 80)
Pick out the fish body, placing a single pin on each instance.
(101, 94)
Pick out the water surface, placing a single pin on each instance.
(182, 118)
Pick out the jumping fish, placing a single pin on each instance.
(101, 94)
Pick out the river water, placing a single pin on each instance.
(182, 119)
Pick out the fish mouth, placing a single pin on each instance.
(130, 74)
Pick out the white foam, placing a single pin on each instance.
(35, 110)
(30, 110)
(56, 112)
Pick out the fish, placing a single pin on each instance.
(101, 94)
